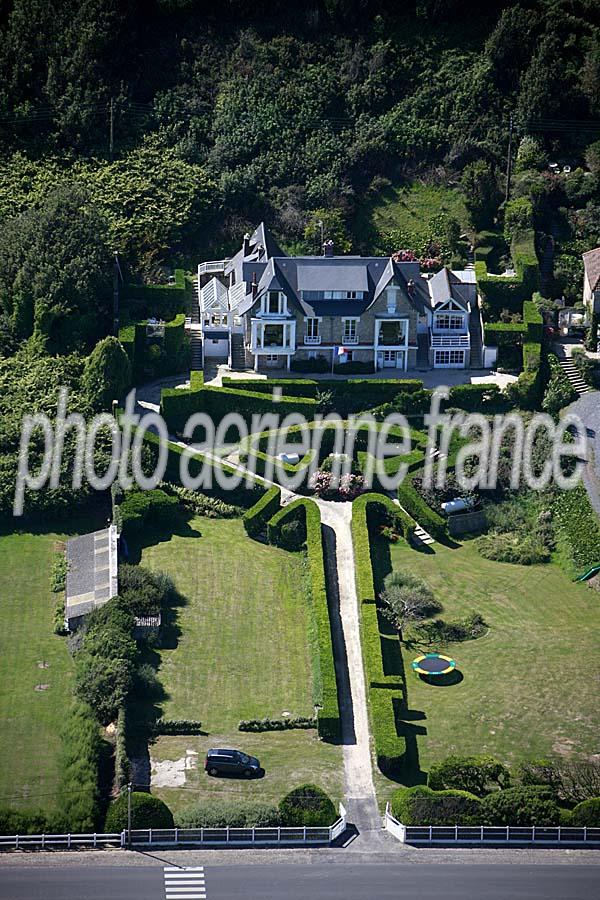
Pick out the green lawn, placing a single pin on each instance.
(410, 208)
(31, 719)
(242, 652)
(530, 686)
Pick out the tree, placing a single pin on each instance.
(407, 598)
(54, 272)
(592, 158)
(107, 373)
(307, 805)
(518, 216)
(482, 194)
(103, 683)
(146, 812)
(530, 155)
(587, 813)
(334, 229)
(477, 774)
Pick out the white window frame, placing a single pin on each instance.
(350, 329)
(343, 295)
(281, 304)
(312, 329)
(450, 357)
(455, 321)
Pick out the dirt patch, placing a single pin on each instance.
(41, 687)
(171, 772)
(564, 747)
(42, 665)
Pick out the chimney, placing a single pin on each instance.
(254, 286)
(328, 248)
(246, 244)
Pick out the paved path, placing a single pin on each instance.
(359, 792)
(588, 410)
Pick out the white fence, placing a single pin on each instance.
(181, 837)
(484, 834)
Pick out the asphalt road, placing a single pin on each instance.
(299, 882)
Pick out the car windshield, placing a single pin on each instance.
(244, 759)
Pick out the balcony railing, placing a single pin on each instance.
(215, 265)
(350, 340)
(450, 340)
(315, 339)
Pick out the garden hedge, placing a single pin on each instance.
(328, 715)
(420, 805)
(178, 404)
(384, 690)
(509, 292)
(578, 527)
(587, 813)
(257, 517)
(243, 495)
(160, 300)
(369, 393)
(146, 812)
(415, 506)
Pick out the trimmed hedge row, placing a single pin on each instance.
(384, 691)
(382, 391)
(502, 292)
(177, 726)
(268, 724)
(328, 715)
(177, 405)
(257, 517)
(416, 507)
(242, 495)
(579, 527)
(159, 299)
(122, 765)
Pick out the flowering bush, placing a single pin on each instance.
(329, 487)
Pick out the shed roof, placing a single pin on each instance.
(92, 571)
(591, 264)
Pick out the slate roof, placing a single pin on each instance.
(591, 264)
(299, 276)
(92, 571)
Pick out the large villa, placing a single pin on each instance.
(264, 310)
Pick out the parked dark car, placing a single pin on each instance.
(231, 762)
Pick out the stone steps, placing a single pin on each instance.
(573, 375)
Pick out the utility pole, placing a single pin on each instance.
(129, 816)
(509, 160)
(116, 273)
(111, 142)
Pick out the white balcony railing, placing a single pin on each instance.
(315, 339)
(450, 340)
(214, 265)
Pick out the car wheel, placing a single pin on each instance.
(248, 773)
(213, 771)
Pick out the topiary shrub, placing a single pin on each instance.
(292, 535)
(139, 506)
(475, 774)
(587, 813)
(307, 805)
(146, 812)
(420, 805)
(521, 806)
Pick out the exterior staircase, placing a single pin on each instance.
(423, 352)
(476, 340)
(196, 345)
(573, 375)
(238, 352)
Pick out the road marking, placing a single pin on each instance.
(184, 883)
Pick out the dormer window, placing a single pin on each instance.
(274, 303)
(392, 299)
(342, 295)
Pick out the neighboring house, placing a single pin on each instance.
(591, 281)
(263, 309)
(92, 579)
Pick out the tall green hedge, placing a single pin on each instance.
(501, 292)
(258, 515)
(363, 393)
(328, 715)
(160, 300)
(579, 527)
(177, 404)
(415, 506)
(384, 691)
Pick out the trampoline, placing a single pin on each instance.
(433, 664)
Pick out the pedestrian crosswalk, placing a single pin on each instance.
(185, 883)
